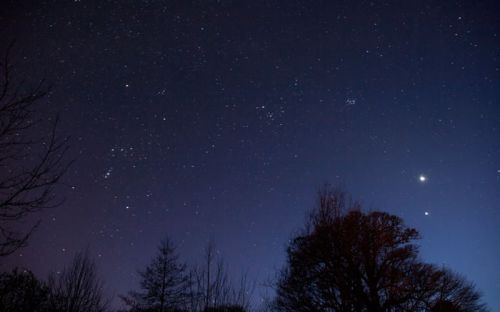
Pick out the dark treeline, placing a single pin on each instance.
(76, 288)
(344, 259)
(166, 284)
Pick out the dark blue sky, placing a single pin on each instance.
(219, 119)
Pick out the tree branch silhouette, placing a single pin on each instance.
(31, 164)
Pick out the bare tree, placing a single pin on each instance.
(217, 288)
(347, 260)
(77, 288)
(164, 283)
(213, 290)
(30, 164)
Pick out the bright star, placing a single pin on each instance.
(426, 213)
(422, 178)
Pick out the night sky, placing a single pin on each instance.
(220, 119)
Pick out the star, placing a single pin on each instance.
(349, 102)
(422, 178)
(426, 213)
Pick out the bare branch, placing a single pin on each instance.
(32, 161)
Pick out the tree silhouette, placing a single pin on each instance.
(30, 164)
(77, 288)
(226, 308)
(347, 260)
(164, 283)
(211, 288)
(21, 291)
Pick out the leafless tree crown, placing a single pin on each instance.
(77, 288)
(213, 289)
(31, 165)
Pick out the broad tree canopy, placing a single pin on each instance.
(349, 260)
